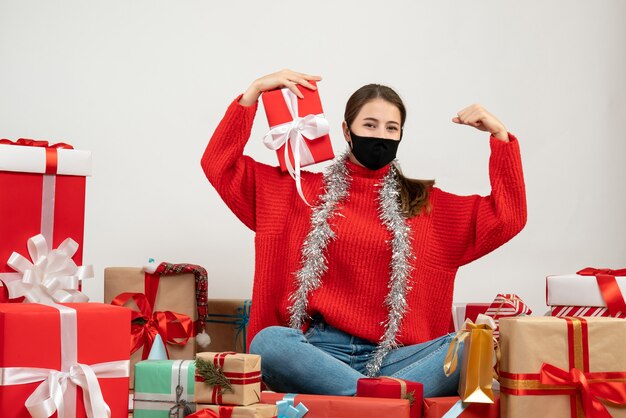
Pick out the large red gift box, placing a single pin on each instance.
(43, 191)
(322, 406)
(388, 387)
(40, 341)
(277, 105)
(438, 407)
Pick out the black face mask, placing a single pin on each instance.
(374, 153)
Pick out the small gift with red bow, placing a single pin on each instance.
(589, 292)
(298, 130)
(43, 193)
(563, 367)
(228, 378)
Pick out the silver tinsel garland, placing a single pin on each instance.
(314, 263)
(400, 266)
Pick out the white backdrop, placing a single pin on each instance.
(143, 83)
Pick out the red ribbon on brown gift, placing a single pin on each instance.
(586, 389)
(174, 328)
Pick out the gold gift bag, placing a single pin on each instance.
(476, 373)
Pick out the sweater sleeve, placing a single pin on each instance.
(468, 227)
(228, 170)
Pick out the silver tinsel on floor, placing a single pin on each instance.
(314, 264)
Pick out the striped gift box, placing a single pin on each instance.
(506, 305)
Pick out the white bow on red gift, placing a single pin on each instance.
(308, 127)
(49, 276)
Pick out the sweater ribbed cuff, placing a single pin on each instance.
(495, 141)
(254, 105)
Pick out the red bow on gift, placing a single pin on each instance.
(593, 387)
(171, 326)
(609, 288)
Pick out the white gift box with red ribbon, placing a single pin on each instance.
(590, 292)
(35, 159)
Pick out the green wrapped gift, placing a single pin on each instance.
(164, 388)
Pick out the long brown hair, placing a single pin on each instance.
(413, 193)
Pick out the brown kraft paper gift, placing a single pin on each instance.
(227, 325)
(228, 378)
(176, 293)
(562, 367)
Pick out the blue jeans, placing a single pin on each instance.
(327, 361)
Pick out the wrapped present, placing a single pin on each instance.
(563, 367)
(477, 360)
(257, 410)
(504, 305)
(69, 358)
(227, 324)
(463, 311)
(452, 406)
(164, 388)
(43, 192)
(228, 378)
(589, 288)
(391, 387)
(298, 130)
(322, 406)
(167, 308)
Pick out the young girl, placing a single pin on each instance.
(360, 283)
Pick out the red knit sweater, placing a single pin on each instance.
(459, 229)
